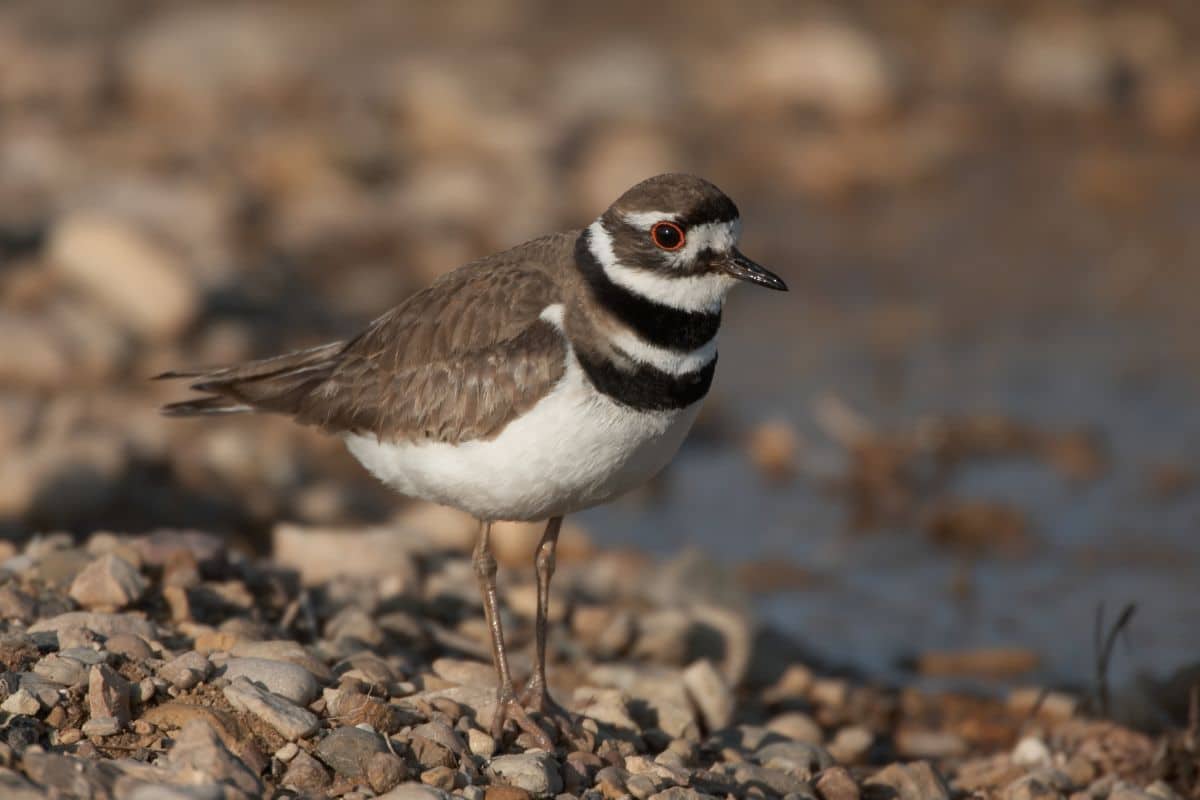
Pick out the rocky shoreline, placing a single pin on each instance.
(353, 664)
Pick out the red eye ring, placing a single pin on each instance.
(667, 235)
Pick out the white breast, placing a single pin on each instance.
(574, 449)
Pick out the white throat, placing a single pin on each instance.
(701, 293)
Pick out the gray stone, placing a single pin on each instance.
(292, 721)
(85, 655)
(14, 787)
(642, 786)
(160, 791)
(107, 625)
(354, 623)
(480, 743)
(281, 677)
(46, 692)
(799, 758)
(536, 773)
(21, 701)
(797, 726)
(109, 582)
(63, 775)
(185, 670)
(133, 648)
(347, 750)
(776, 781)
(480, 701)
(661, 691)
(443, 734)
(284, 650)
(607, 706)
(56, 668)
(102, 726)
(708, 690)
(465, 673)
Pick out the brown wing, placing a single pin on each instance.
(454, 362)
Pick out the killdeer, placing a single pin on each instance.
(527, 384)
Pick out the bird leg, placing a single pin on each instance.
(536, 695)
(507, 704)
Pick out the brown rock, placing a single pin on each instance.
(354, 708)
(506, 793)
(772, 447)
(998, 662)
(175, 714)
(443, 778)
(142, 285)
(835, 783)
(108, 694)
(199, 756)
(851, 743)
(929, 744)
(797, 726)
(320, 554)
(430, 754)
(385, 770)
(305, 774)
(978, 526)
(915, 781)
(16, 605)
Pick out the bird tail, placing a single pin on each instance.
(280, 384)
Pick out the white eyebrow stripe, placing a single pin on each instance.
(645, 219)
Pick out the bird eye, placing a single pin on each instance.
(667, 235)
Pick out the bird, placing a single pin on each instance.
(527, 384)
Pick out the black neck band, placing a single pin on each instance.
(646, 388)
(655, 323)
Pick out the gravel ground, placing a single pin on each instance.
(163, 665)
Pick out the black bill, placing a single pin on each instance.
(744, 269)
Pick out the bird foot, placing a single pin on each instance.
(510, 707)
(536, 698)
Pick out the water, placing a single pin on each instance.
(933, 340)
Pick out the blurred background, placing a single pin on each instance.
(971, 423)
